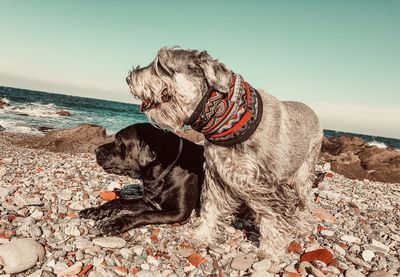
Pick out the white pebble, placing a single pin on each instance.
(350, 239)
(138, 250)
(379, 246)
(263, 265)
(339, 250)
(110, 242)
(20, 254)
(327, 233)
(72, 270)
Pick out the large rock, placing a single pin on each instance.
(83, 138)
(63, 113)
(355, 159)
(3, 104)
(21, 254)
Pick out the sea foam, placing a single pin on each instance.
(377, 144)
(35, 109)
(5, 100)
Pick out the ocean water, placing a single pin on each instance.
(29, 110)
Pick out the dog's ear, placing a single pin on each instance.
(212, 68)
(146, 156)
(161, 62)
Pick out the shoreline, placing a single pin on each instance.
(354, 219)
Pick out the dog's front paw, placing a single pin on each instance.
(92, 213)
(113, 226)
(202, 233)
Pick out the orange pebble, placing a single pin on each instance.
(196, 259)
(108, 195)
(121, 270)
(317, 255)
(329, 174)
(295, 247)
(85, 270)
(323, 215)
(134, 271)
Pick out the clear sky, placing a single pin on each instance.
(340, 57)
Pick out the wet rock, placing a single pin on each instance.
(63, 113)
(3, 104)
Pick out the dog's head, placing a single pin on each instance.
(173, 84)
(128, 154)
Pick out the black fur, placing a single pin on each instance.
(143, 151)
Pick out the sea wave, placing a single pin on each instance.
(19, 127)
(5, 100)
(377, 144)
(34, 109)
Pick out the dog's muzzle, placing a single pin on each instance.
(100, 156)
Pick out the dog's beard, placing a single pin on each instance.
(170, 115)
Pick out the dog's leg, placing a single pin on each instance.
(178, 208)
(126, 221)
(302, 180)
(279, 216)
(113, 207)
(217, 208)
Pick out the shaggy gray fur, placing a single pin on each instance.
(271, 172)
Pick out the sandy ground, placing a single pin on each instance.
(358, 230)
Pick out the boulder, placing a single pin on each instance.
(3, 104)
(44, 129)
(83, 138)
(63, 113)
(2, 128)
(355, 159)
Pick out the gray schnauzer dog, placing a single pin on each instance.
(259, 151)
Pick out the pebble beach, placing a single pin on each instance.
(357, 227)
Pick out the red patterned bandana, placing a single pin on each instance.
(228, 118)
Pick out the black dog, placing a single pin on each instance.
(172, 172)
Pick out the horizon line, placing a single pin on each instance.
(136, 104)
